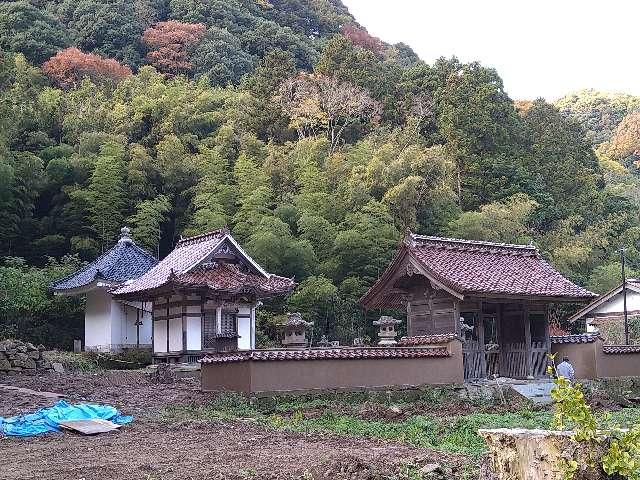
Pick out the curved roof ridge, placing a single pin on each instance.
(201, 237)
(480, 243)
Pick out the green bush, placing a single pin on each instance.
(132, 359)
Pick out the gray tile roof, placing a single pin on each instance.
(125, 261)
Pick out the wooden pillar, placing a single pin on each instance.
(252, 328)
(527, 340)
(219, 320)
(483, 357)
(138, 326)
(499, 339)
(456, 318)
(547, 334)
(203, 302)
(168, 311)
(184, 323)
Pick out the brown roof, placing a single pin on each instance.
(353, 353)
(469, 267)
(418, 340)
(620, 349)
(229, 278)
(579, 338)
(183, 267)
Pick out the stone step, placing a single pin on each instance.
(538, 393)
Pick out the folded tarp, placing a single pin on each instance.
(48, 419)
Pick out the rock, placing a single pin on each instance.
(429, 468)
(25, 363)
(4, 364)
(21, 349)
(57, 367)
(35, 354)
(30, 346)
(41, 348)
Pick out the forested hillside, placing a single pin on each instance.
(316, 143)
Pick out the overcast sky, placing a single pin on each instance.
(541, 48)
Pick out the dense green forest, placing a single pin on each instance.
(316, 143)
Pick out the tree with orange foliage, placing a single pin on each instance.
(70, 65)
(361, 38)
(169, 44)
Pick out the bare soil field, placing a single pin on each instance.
(156, 448)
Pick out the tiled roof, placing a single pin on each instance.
(228, 278)
(620, 349)
(187, 253)
(468, 267)
(125, 261)
(181, 268)
(353, 353)
(579, 338)
(418, 340)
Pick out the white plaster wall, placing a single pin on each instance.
(175, 335)
(97, 321)
(194, 334)
(244, 328)
(194, 326)
(123, 324)
(616, 304)
(160, 336)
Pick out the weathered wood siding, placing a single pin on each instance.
(430, 315)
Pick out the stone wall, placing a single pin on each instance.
(18, 356)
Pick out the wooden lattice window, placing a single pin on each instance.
(209, 330)
(229, 322)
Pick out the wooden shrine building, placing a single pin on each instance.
(204, 295)
(494, 296)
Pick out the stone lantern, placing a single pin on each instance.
(387, 331)
(295, 331)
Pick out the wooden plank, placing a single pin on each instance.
(89, 427)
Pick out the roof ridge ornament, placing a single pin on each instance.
(125, 236)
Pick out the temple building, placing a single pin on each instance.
(111, 325)
(493, 296)
(204, 296)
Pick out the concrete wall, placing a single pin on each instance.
(590, 362)
(618, 365)
(326, 374)
(581, 355)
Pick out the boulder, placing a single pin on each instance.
(5, 365)
(35, 354)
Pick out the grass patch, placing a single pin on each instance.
(453, 434)
(74, 362)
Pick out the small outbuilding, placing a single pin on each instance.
(204, 295)
(111, 325)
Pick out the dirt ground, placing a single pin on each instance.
(154, 449)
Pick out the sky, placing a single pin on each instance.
(540, 48)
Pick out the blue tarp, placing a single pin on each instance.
(47, 420)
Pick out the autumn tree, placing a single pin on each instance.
(625, 141)
(69, 66)
(362, 38)
(169, 45)
(315, 103)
